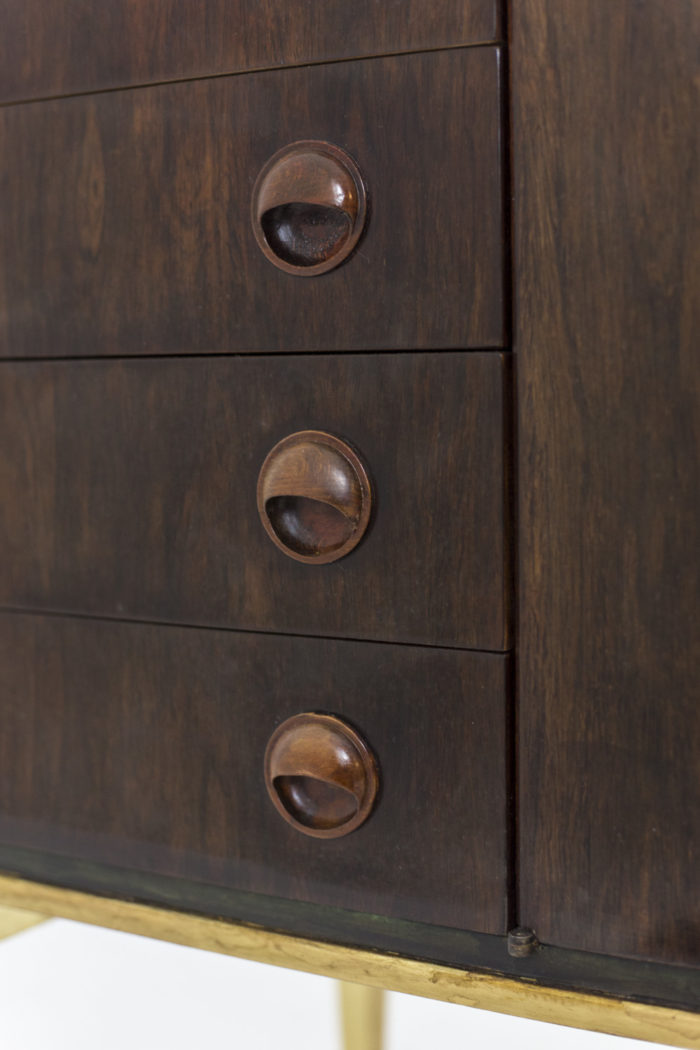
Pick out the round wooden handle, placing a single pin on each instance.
(314, 496)
(309, 208)
(321, 775)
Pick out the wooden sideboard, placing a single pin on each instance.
(495, 381)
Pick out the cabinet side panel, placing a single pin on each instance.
(606, 228)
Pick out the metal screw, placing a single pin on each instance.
(522, 942)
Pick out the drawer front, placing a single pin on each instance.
(142, 746)
(66, 46)
(129, 491)
(125, 218)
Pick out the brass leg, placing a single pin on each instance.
(14, 920)
(362, 1011)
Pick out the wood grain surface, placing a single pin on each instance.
(143, 746)
(125, 223)
(607, 210)
(129, 490)
(58, 47)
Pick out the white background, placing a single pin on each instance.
(66, 986)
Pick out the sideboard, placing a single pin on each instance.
(349, 465)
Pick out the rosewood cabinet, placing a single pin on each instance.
(349, 471)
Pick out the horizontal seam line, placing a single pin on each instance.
(105, 618)
(251, 355)
(253, 69)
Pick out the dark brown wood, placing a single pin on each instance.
(129, 490)
(607, 211)
(125, 217)
(314, 497)
(308, 208)
(143, 747)
(321, 775)
(57, 47)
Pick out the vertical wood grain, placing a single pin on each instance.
(607, 210)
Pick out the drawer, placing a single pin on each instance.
(143, 746)
(60, 47)
(126, 228)
(130, 491)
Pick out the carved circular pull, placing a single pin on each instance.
(314, 497)
(309, 208)
(321, 775)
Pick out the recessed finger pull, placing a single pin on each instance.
(321, 775)
(314, 496)
(309, 208)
